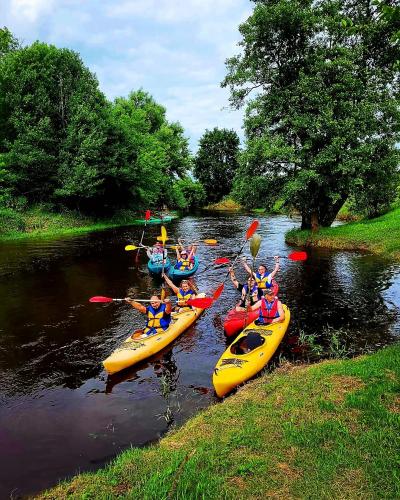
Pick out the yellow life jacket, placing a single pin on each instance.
(263, 282)
(182, 264)
(183, 297)
(156, 323)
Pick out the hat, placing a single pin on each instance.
(268, 291)
(184, 252)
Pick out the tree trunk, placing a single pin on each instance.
(321, 216)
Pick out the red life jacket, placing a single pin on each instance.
(268, 311)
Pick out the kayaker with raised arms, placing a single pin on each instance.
(263, 279)
(156, 253)
(251, 285)
(158, 314)
(184, 260)
(184, 292)
(270, 309)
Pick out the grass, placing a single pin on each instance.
(380, 235)
(318, 432)
(227, 204)
(37, 222)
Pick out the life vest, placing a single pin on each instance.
(245, 291)
(182, 264)
(263, 281)
(268, 311)
(183, 297)
(156, 321)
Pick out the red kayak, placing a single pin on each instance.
(236, 321)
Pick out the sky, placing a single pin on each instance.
(174, 49)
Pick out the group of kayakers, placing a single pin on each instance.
(184, 257)
(260, 293)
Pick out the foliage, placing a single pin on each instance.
(216, 162)
(62, 142)
(11, 221)
(325, 116)
(188, 194)
(380, 235)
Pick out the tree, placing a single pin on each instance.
(325, 115)
(8, 43)
(53, 116)
(188, 194)
(216, 162)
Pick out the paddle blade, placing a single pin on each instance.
(222, 260)
(164, 236)
(201, 303)
(218, 291)
(130, 247)
(159, 238)
(99, 298)
(298, 256)
(252, 229)
(210, 242)
(255, 245)
(147, 215)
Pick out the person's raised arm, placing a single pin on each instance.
(136, 305)
(149, 253)
(276, 268)
(233, 278)
(247, 267)
(170, 283)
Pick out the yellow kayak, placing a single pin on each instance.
(134, 350)
(248, 354)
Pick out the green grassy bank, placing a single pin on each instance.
(38, 222)
(380, 235)
(329, 430)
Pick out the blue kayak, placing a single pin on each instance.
(157, 267)
(175, 274)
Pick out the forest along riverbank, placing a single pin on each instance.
(380, 236)
(60, 413)
(36, 222)
(331, 427)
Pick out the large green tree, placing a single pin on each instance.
(322, 118)
(53, 118)
(216, 162)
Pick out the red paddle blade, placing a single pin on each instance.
(222, 260)
(218, 291)
(252, 229)
(201, 303)
(298, 256)
(148, 215)
(99, 298)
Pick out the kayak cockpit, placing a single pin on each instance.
(247, 343)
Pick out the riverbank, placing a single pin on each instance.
(41, 223)
(380, 236)
(328, 430)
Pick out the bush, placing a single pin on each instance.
(11, 221)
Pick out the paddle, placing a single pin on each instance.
(146, 218)
(296, 256)
(249, 233)
(105, 300)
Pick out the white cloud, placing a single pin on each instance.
(171, 11)
(31, 10)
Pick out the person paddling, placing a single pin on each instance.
(270, 309)
(184, 292)
(158, 315)
(263, 279)
(250, 292)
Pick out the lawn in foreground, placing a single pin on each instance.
(324, 431)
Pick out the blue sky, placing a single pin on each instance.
(174, 49)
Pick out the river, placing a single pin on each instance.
(59, 412)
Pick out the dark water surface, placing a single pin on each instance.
(59, 414)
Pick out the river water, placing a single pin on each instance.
(60, 414)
